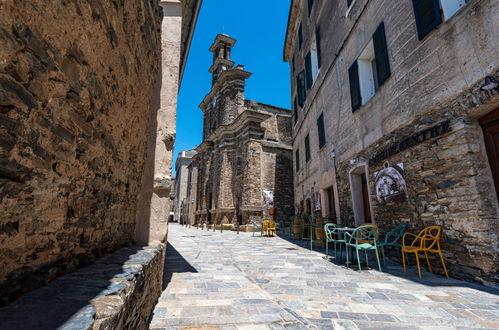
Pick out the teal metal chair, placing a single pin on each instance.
(363, 238)
(257, 227)
(335, 236)
(392, 238)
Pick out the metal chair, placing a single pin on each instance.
(257, 226)
(363, 238)
(428, 240)
(335, 236)
(392, 238)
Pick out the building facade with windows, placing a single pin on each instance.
(395, 109)
(182, 181)
(246, 150)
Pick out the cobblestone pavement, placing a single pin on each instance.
(229, 281)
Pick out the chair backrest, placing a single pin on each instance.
(428, 237)
(255, 224)
(396, 234)
(372, 225)
(365, 234)
(330, 229)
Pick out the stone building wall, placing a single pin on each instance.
(74, 104)
(432, 81)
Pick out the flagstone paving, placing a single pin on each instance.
(227, 281)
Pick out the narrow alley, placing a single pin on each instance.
(228, 281)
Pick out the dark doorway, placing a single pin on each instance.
(490, 127)
(210, 201)
(365, 195)
(330, 202)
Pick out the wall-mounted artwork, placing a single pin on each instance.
(268, 199)
(390, 184)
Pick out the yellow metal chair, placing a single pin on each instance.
(428, 240)
(270, 227)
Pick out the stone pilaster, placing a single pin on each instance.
(154, 203)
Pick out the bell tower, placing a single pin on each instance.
(221, 49)
(225, 101)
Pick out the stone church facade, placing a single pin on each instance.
(246, 149)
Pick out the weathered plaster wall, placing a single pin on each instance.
(75, 96)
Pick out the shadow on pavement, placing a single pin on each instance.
(389, 266)
(175, 263)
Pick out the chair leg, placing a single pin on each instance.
(327, 249)
(419, 266)
(443, 263)
(358, 259)
(346, 249)
(335, 252)
(403, 260)
(428, 261)
(377, 258)
(367, 259)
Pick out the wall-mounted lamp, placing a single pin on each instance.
(489, 84)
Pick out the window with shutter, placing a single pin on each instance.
(307, 148)
(300, 37)
(300, 88)
(310, 5)
(308, 71)
(349, 2)
(427, 13)
(318, 45)
(353, 75)
(295, 110)
(297, 159)
(321, 131)
(381, 60)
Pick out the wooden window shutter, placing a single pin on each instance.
(321, 131)
(318, 45)
(295, 110)
(381, 55)
(300, 37)
(428, 16)
(300, 88)
(297, 159)
(307, 148)
(353, 75)
(310, 5)
(308, 70)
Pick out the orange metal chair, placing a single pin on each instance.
(428, 240)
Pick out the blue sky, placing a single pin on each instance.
(259, 27)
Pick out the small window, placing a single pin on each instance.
(297, 159)
(349, 2)
(307, 148)
(295, 111)
(371, 69)
(311, 68)
(310, 5)
(318, 46)
(301, 90)
(300, 37)
(430, 13)
(321, 131)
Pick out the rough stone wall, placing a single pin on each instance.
(76, 82)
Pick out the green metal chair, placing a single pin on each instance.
(335, 236)
(392, 238)
(257, 227)
(363, 238)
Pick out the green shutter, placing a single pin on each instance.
(307, 148)
(297, 159)
(308, 70)
(381, 55)
(428, 16)
(321, 131)
(353, 75)
(300, 88)
(318, 45)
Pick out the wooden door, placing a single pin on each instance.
(490, 127)
(365, 199)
